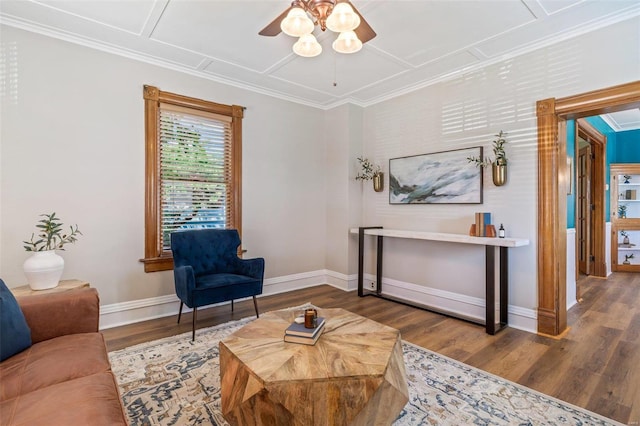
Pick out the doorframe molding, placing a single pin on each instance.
(598, 143)
(552, 201)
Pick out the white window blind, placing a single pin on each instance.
(195, 170)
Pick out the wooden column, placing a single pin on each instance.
(550, 319)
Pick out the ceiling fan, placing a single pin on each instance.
(337, 15)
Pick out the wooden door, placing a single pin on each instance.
(584, 205)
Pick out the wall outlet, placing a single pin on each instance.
(370, 285)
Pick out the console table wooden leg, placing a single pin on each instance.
(360, 261)
(490, 284)
(379, 266)
(504, 286)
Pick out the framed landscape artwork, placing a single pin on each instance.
(438, 178)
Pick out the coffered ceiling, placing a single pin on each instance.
(418, 42)
(623, 120)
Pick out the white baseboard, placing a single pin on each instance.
(293, 282)
(342, 281)
(124, 313)
(117, 314)
(455, 303)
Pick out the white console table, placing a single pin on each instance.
(490, 261)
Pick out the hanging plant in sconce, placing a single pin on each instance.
(369, 171)
(499, 162)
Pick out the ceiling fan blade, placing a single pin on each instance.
(273, 29)
(364, 30)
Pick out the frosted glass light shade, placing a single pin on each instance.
(343, 18)
(297, 23)
(307, 46)
(347, 42)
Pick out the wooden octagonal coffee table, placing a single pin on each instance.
(353, 375)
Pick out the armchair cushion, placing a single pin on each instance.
(227, 287)
(15, 335)
(221, 280)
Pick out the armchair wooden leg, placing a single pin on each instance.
(255, 305)
(193, 333)
(180, 311)
(231, 305)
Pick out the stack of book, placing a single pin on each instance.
(483, 226)
(297, 333)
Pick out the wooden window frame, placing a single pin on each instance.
(155, 259)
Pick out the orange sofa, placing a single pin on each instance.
(65, 377)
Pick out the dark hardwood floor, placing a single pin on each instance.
(595, 365)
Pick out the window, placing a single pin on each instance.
(193, 170)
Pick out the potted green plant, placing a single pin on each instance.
(622, 212)
(369, 171)
(44, 268)
(499, 161)
(627, 258)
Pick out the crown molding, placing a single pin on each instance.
(629, 13)
(141, 57)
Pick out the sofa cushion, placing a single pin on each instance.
(91, 400)
(15, 335)
(53, 361)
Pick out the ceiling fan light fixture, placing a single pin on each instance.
(347, 42)
(307, 46)
(343, 18)
(297, 23)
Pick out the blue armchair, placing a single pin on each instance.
(208, 270)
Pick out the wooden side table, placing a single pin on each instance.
(64, 285)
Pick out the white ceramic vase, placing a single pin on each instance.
(43, 269)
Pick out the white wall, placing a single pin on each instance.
(571, 267)
(72, 141)
(468, 111)
(343, 136)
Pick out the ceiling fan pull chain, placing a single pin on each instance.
(335, 72)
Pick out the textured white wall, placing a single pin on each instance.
(468, 111)
(72, 141)
(343, 138)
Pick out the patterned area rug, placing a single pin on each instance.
(173, 381)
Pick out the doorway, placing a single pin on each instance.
(584, 222)
(591, 148)
(552, 114)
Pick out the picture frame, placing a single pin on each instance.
(445, 177)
